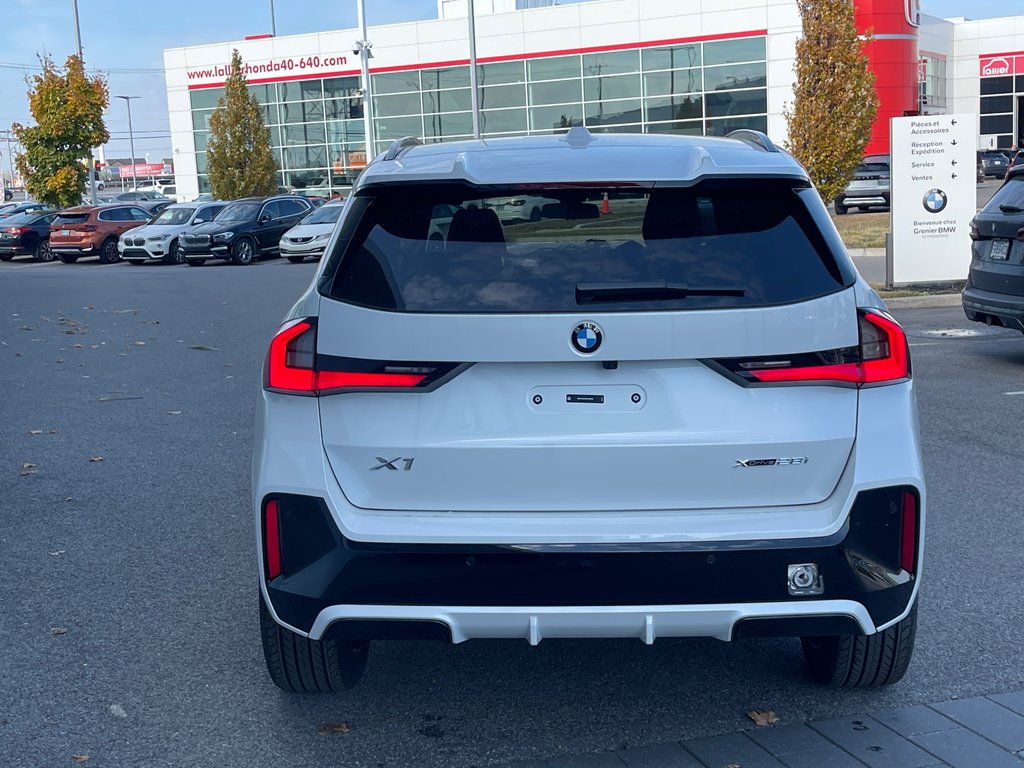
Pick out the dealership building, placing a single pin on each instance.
(654, 66)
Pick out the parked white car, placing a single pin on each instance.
(310, 236)
(696, 421)
(158, 240)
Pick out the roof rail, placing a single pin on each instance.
(754, 138)
(398, 146)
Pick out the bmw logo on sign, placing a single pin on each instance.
(934, 201)
(586, 338)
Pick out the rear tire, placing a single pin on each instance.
(296, 259)
(299, 665)
(6, 256)
(841, 210)
(67, 258)
(850, 661)
(195, 262)
(863, 207)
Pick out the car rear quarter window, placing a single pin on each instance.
(454, 248)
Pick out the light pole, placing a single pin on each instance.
(131, 137)
(474, 99)
(362, 47)
(273, 20)
(10, 158)
(92, 163)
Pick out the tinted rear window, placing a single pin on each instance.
(71, 218)
(1011, 193)
(452, 248)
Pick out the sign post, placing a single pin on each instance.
(934, 197)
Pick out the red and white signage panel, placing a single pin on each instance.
(1002, 64)
(142, 169)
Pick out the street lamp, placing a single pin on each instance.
(131, 137)
(92, 162)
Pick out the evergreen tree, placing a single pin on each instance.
(835, 101)
(68, 109)
(238, 155)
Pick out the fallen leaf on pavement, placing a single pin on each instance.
(58, 553)
(204, 348)
(27, 465)
(68, 498)
(80, 758)
(174, 413)
(28, 328)
(124, 311)
(35, 431)
(140, 343)
(76, 346)
(112, 398)
(117, 710)
(331, 728)
(59, 630)
(763, 717)
(96, 459)
(51, 431)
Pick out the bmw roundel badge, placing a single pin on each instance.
(586, 338)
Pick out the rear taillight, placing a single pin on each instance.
(908, 532)
(294, 368)
(975, 232)
(882, 356)
(272, 539)
(17, 230)
(88, 228)
(1020, 233)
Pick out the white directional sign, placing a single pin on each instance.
(934, 197)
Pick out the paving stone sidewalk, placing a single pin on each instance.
(979, 732)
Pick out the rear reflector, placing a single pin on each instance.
(908, 532)
(272, 539)
(882, 356)
(293, 367)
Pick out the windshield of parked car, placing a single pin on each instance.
(174, 216)
(328, 214)
(453, 248)
(239, 212)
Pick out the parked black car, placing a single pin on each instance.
(994, 162)
(245, 230)
(27, 234)
(995, 284)
(8, 194)
(24, 208)
(155, 207)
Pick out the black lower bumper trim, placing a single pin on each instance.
(321, 568)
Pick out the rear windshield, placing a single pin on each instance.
(71, 218)
(21, 219)
(453, 248)
(328, 214)
(1010, 195)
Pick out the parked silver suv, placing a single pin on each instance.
(869, 188)
(688, 416)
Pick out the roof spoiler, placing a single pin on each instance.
(398, 146)
(753, 138)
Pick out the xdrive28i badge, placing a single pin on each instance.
(586, 337)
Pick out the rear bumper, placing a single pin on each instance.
(864, 197)
(15, 250)
(986, 306)
(78, 250)
(532, 591)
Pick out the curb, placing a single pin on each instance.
(924, 302)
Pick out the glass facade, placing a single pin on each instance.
(316, 126)
(932, 81)
(1000, 107)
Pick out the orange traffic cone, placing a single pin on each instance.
(605, 208)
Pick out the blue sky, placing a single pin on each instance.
(126, 39)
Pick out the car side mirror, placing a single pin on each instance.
(264, 218)
(198, 221)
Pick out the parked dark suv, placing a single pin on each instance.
(995, 283)
(994, 162)
(245, 230)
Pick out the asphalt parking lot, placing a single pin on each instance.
(129, 628)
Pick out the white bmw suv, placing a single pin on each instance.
(669, 408)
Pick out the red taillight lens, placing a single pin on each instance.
(293, 367)
(88, 227)
(908, 532)
(272, 539)
(975, 232)
(1020, 233)
(881, 356)
(17, 230)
